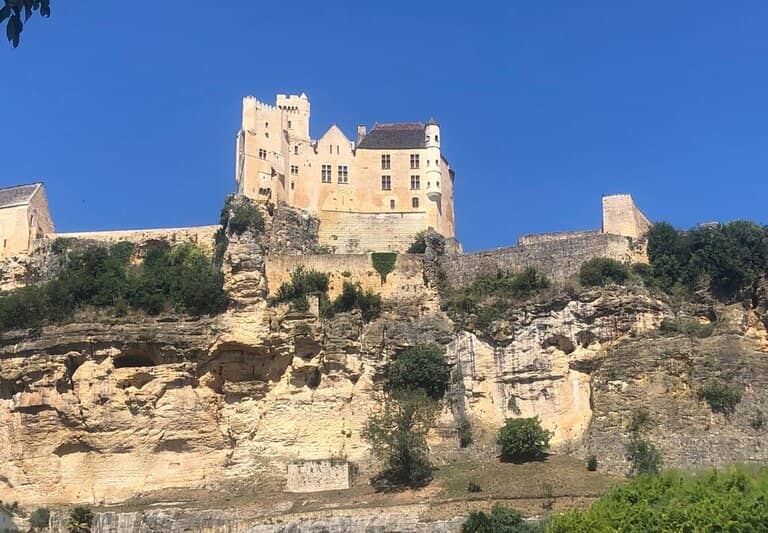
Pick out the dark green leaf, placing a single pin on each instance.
(5, 12)
(13, 29)
(27, 10)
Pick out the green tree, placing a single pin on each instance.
(398, 435)
(523, 439)
(15, 10)
(421, 367)
(601, 271)
(643, 457)
(80, 520)
(39, 518)
(500, 520)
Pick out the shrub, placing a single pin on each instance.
(464, 429)
(721, 397)
(240, 214)
(640, 420)
(80, 519)
(419, 244)
(731, 500)
(500, 520)
(383, 263)
(353, 297)
(601, 271)
(421, 367)
(523, 439)
(39, 518)
(398, 435)
(643, 456)
(592, 463)
(757, 421)
(473, 487)
(302, 283)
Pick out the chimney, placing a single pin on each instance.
(360, 133)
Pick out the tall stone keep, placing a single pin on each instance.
(622, 217)
(24, 218)
(372, 194)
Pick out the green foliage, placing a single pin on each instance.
(523, 439)
(592, 463)
(353, 297)
(602, 271)
(39, 518)
(419, 244)
(104, 277)
(303, 282)
(473, 487)
(398, 435)
(686, 326)
(757, 422)
(640, 420)
(727, 258)
(421, 367)
(500, 520)
(383, 263)
(734, 500)
(721, 397)
(643, 457)
(512, 405)
(15, 10)
(80, 520)
(464, 428)
(240, 214)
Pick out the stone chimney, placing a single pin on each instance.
(360, 133)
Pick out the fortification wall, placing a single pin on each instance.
(316, 476)
(622, 217)
(355, 233)
(200, 235)
(406, 281)
(557, 259)
(538, 238)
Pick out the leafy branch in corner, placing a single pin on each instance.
(14, 10)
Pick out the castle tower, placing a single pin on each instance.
(434, 174)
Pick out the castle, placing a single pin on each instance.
(372, 194)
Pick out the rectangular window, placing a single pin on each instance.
(296, 149)
(262, 153)
(415, 183)
(343, 174)
(386, 161)
(294, 170)
(415, 202)
(391, 204)
(414, 160)
(326, 173)
(289, 124)
(437, 138)
(386, 183)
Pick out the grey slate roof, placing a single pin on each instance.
(18, 194)
(394, 136)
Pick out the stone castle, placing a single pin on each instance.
(371, 194)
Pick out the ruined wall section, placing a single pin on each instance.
(199, 235)
(538, 238)
(556, 259)
(622, 217)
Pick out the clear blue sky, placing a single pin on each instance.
(128, 111)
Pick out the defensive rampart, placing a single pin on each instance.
(558, 259)
(200, 235)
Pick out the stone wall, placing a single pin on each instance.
(406, 281)
(355, 233)
(200, 235)
(622, 217)
(538, 238)
(556, 259)
(317, 476)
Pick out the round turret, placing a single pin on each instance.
(432, 134)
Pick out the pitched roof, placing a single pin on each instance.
(394, 136)
(18, 194)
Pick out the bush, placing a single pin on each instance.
(464, 429)
(353, 297)
(39, 518)
(643, 456)
(500, 520)
(80, 520)
(421, 367)
(419, 244)
(601, 271)
(240, 214)
(732, 500)
(721, 397)
(640, 420)
(302, 283)
(592, 463)
(523, 439)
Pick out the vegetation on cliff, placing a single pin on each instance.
(601, 271)
(523, 439)
(499, 520)
(180, 278)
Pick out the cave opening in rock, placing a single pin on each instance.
(133, 361)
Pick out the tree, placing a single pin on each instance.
(14, 10)
(421, 367)
(39, 518)
(523, 439)
(643, 457)
(398, 435)
(500, 520)
(80, 520)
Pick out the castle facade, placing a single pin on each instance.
(371, 194)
